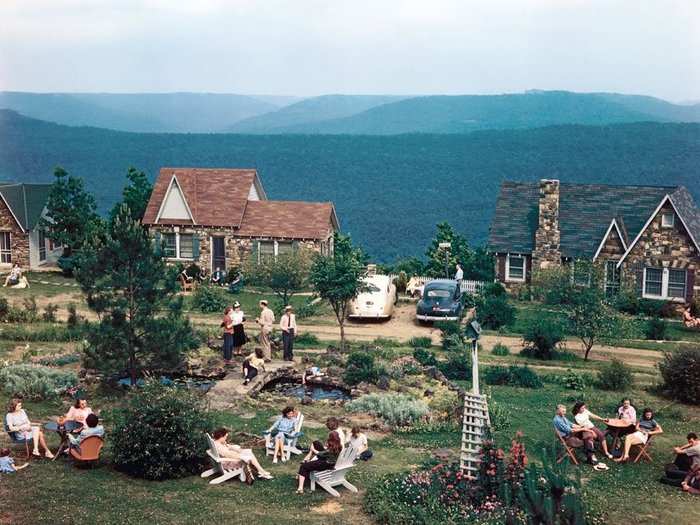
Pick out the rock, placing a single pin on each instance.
(383, 383)
(443, 454)
(307, 400)
(429, 392)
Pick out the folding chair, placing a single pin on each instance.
(644, 451)
(569, 448)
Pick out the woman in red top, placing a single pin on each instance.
(227, 325)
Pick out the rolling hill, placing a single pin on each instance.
(389, 191)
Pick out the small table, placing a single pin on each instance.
(618, 428)
(63, 429)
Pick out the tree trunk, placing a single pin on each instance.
(342, 334)
(588, 345)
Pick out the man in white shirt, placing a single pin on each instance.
(288, 325)
(266, 320)
(459, 274)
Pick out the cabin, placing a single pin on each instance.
(22, 240)
(218, 218)
(645, 235)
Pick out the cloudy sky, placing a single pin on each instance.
(311, 47)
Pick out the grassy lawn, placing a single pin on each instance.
(43, 284)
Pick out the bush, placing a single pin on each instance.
(4, 309)
(425, 357)
(49, 315)
(394, 409)
(209, 299)
(401, 282)
(458, 366)
(512, 376)
(544, 337)
(615, 375)
(73, 318)
(67, 265)
(500, 349)
(450, 334)
(494, 289)
(308, 309)
(495, 312)
(36, 382)
(31, 310)
(420, 342)
(360, 367)
(681, 375)
(656, 329)
(306, 338)
(573, 380)
(160, 434)
(50, 333)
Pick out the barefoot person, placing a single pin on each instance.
(18, 422)
(266, 320)
(646, 427)
(14, 276)
(326, 457)
(234, 455)
(583, 417)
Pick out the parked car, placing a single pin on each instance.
(377, 301)
(441, 301)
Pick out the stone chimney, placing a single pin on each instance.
(547, 252)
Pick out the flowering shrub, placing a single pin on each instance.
(35, 382)
(395, 409)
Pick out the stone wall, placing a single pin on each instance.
(547, 251)
(661, 247)
(612, 247)
(19, 241)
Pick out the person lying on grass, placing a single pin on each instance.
(319, 458)
(7, 464)
(646, 427)
(691, 483)
(235, 456)
(282, 429)
(567, 429)
(583, 417)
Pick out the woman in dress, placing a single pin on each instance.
(18, 422)
(583, 417)
(646, 427)
(326, 456)
(227, 325)
(234, 456)
(239, 337)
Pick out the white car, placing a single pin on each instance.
(377, 301)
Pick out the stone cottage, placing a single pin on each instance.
(647, 235)
(217, 218)
(21, 239)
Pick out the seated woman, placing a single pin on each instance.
(332, 424)
(14, 276)
(646, 427)
(358, 441)
(325, 458)
(282, 429)
(253, 364)
(235, 455)
(689, 320)
(91, 428)
(583, 417)
(79, 411)
(18, 422)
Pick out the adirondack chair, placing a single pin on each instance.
(218, 467)
(328, 479)
(187, 286)
(89, 451)
(290, 443)
(16, 440)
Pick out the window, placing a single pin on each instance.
(5, 251)
(170, 245)
(273, 249)
(515, 268)
(284, 247)
(664, 283)
(180, 246)
(667, 220)
(186, 246)
(42, 245)
(612, 278)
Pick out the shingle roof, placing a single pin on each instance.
(688, 211)
(288, 219)
(585, 212)
(216, 197)
(26, 202)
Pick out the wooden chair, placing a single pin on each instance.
(187, 286)
(89, 451)
(15, 439)
(644, 450)
(328, 479)
(290, 442)
(218, 467)
(570, 445)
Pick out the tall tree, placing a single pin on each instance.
(337, 278)
(129, 286)
(71, 212)
(135, 194)
(459, 252)
(286, 274)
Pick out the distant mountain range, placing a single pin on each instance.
(343, 114)
(389, 191)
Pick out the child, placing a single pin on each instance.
(7, 464)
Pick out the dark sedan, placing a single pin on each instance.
(441, 301)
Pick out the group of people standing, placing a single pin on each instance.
(235, 337)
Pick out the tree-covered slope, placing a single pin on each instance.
(389, 191)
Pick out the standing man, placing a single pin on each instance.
(288, 325)
(459, 274)
(266, 320)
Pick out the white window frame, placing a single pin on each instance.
(41, 241)
(178, 256)
(275, 247)
(665, 215)
(516, 279)
(8, 251)
(608, 287)
(664, 284)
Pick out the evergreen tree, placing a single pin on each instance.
(135, 194)
(133, 292)
(459, 252)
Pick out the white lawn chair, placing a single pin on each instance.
(218, 467)
(328, 479)
(290, 442)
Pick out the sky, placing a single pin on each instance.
(314, 47)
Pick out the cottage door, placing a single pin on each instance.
(218, 259)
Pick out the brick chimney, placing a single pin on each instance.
(547, 252)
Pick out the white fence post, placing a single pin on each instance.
(466, 286)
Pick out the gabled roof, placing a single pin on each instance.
(25, 201)
(585, 214)
(215, 197)
(288, 219)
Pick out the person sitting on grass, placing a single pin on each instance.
(284, 428)
(567, 430)
(646, 427)
(691, 450)
(358, 441)
(18, 422)
(7, 464)
(319, 458)
(14, 276)
(92, 428)
(583, 417)
(689, 320)
(691, 483)
(234, 456)
(253, 364)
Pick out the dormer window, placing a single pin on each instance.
(667, 220)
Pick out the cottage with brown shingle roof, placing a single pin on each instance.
(217, 218)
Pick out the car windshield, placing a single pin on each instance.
(437, 292)
(370, 288)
